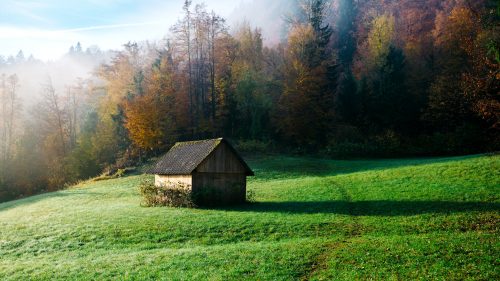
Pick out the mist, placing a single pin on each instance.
(33, 73)
(269, 16)
(64, 72)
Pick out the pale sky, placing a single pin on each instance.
(47, 28)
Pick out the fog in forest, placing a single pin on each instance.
(337, 78)
(82, 64)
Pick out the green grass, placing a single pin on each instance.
(314, 219)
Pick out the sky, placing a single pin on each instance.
(48, 28)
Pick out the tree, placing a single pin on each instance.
(251, 101)
(380, 39)
(55, 118)
(150, 117)
(13, 107)
(3, 134)
(51, 120)
(9, 109)
(20, 57)
(310, 89)
(448, 106)
(73, 95)
(198, 35)
(124, 76)
(216, 29)
(389, 106)
(349, 104)
(346, 41)
(78, 48)
(183, 38)
(481, 83)
(4, 114)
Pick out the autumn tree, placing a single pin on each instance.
(307, 104)
(481, 83)
(150, 116)
(124, 77)
(386, 103)
(454, 33)
(251, 99)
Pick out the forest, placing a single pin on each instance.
(349, 79)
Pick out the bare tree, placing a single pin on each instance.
(197, 35)
(216, 27)
(182, 31)
(3, 126)
(55, 115)
(74, 94)
(8, 110)
(13, 107)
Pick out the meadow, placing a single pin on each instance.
(310, 219)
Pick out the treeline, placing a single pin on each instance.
(353, 78)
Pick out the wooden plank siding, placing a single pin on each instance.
(221, 160)
(220, 187)
(221, 177)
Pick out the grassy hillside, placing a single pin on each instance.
(313, 220)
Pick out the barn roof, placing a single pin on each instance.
(184, 157)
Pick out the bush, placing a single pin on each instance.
(384, 145)
(250, 196)
(465, 139)
(4, 194)
(113, 174)
(253, 146)
(172, 195)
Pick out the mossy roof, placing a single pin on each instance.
(184, 157)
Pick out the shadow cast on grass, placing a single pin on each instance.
(366, 208)
(294, 167)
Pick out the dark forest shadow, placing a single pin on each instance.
(366, 208)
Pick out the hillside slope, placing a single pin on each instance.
(314, 220)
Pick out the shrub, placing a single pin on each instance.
(250, 196)
(465, 139)
(107, 175)
(387, 144)
(120, 173)
(253, 146)
(170, 195)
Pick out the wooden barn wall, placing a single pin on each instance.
(163, 180)
(220, 187)
(221, 160)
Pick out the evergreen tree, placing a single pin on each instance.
(306, 110)
(390, 105)
(78, 48)
(20, 57)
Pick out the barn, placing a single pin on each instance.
(212, 169)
